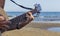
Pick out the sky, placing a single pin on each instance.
(46, 5)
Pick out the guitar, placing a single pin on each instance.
(21, 20)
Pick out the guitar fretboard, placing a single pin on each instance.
(17, 20)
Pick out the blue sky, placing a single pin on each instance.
(47, 5)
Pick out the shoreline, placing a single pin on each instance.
(46, 21)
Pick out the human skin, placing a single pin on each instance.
(3, 21)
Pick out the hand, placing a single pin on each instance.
(2, 18)
(29, 15)
(3, 21)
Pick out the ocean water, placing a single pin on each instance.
(43, 16)
(54, 29)
(41, 13)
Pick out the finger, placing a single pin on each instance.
(2, 18)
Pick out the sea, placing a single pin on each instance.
(42, 16)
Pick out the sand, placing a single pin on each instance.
(34, 29)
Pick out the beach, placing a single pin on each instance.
(34, 29)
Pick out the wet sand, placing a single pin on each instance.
(34, 29)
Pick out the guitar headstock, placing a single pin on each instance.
(38, 7)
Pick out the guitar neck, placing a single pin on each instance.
(20, 19)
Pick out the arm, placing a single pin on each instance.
(2, 2)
